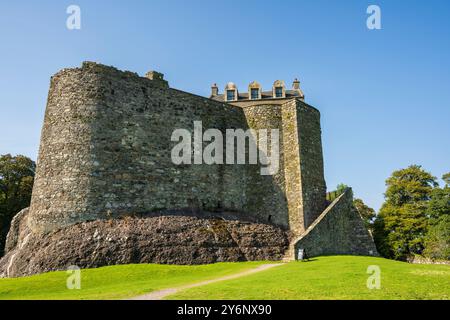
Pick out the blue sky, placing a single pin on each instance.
(384, 95)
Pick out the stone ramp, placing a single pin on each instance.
(339, 230)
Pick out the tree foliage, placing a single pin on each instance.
(16, 183)
(439, 204)
(341, 187)
(446, 178)
(414, 204)
(410, 185)
(437, 241)
(367, 213)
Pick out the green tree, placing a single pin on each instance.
(341, 187)
(439, 204)
(446, 178)
(366, 212)
(402, 222)
(16, 183)
(380, 234)
(437, 241)
(409, 185)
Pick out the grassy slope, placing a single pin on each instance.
(324, 278)
(337, 277)
(115, 282)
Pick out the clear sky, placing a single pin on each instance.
(384, 95)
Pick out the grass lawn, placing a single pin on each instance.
(116, 282)
(338, 277)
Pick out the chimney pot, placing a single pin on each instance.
(214, 90)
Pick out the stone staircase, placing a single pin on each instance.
(338, 230)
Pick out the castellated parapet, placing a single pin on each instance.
(106, 152)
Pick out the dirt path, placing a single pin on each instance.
(161, 294)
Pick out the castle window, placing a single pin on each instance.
(231, 92)
(231, 95)
(254, 91)
(279, 92)
(254, 94)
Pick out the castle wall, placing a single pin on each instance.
(106, 152)
(301, 175)
(269, 191)
(305, 183)
(62, 184)
(293, 181)
(313, 187)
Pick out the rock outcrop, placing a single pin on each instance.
(166, 239)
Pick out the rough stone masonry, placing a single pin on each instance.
(106, 191)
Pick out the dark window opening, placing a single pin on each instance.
(230, 95)
(270, 218)
(254, 93)
(279, 92)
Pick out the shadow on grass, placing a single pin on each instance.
(307, 260)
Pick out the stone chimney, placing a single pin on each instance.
(214, 90)
(296, 87)
(157, 77)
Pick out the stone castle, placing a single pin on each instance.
(106, 191)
